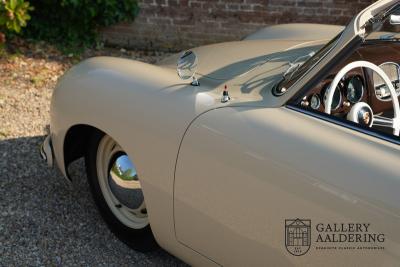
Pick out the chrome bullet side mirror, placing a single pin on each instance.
(187, 66)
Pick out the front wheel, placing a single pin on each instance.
(117, 192)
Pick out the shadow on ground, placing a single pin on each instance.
(46, 221)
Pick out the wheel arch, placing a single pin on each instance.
(75, 143)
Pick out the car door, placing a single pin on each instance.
(242, 173)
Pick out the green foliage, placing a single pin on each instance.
(14, 15)
(75, 23)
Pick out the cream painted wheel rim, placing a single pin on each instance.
(120, 185)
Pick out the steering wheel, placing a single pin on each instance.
(362, 112)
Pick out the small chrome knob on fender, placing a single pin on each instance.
(225, 95)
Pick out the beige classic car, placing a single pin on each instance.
(280, 149)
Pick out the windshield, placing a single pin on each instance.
(301, 65)
(314, 59)
(386, 31)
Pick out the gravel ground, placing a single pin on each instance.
(44, 221)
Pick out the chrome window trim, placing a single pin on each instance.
(346, 124)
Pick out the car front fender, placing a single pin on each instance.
(144, 108)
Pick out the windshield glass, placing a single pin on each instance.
(378, 27)
(314, 59)
(301, 65)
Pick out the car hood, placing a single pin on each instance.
(226, 61)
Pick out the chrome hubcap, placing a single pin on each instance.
(120, 184)
(124, 183)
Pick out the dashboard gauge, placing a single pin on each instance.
(337, 97)
(315, 102)
(355, 89)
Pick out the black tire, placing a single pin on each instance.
(139, 239)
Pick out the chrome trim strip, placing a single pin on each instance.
(346, 124)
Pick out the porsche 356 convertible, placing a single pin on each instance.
(211, 152)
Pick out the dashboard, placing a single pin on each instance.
(360, 85)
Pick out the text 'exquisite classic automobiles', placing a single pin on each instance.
(281, 149)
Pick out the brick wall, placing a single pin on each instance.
(179, 24)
